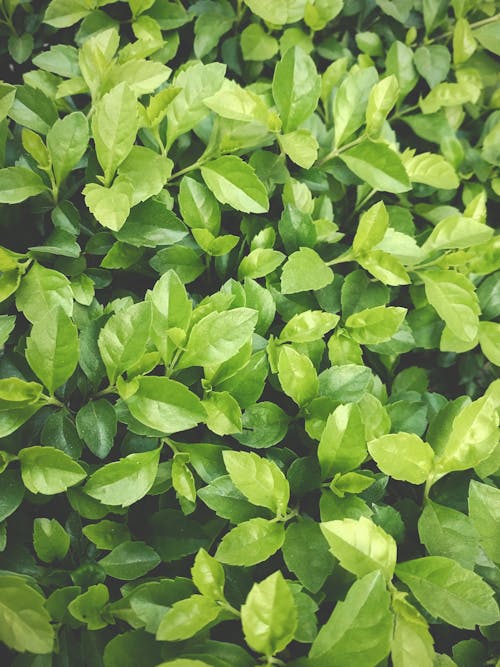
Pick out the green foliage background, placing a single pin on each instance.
(249, 338)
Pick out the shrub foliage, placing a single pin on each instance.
(249, 333)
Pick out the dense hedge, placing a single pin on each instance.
(249, 337)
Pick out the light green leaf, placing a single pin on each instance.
(371, 228)
(433, 63)
(297, 375)
(300, 146)
(259, 262)
(67, 141)
(122, 341)
(187, 617)
(432, 170)
(375, 325)
(114, 128)
(384, 267)
(383, 96)
(452, 295)
(48, 470)
(487, 36)
(256, 44)
(164, 405)
(450, 592)
(65, 13)
(126, 481)
(260, 480)
(359, 631)
(473, 437)
(351, 101)
(42, 290)
(88, 607)
(110, 206)
(308, 326)
(269, 615)
(199, 208)
(361, 546)
(303, 271)
(208, 575)
(147, 172)
(251, 542)
(412, 641)
(218, 336)
(18, 184)
(342, 446)
(378, 165)
(296, 88)
(457, 231)
(403, 456)
(224, 413)
(52, 349)
(484, 512)
(489, 339)
(234, 182)
(24, 620)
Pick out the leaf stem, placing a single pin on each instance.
(473, 26)
(337, 151)
(52, 400)
(107, 390)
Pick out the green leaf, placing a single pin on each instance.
(147, 172)
(450, 592)
(361, 546)
(300, 146)
(296, 88)
(359, 629)
(234, 182)
(218, 336)
(65, 13)
(259, 262)
(342, 446)
(96, 425)
(122, 340)
(308, 326)
(42, 290)
(208, 576)
(403, 456)
(50, 540)
(114, 128)
(52, 349)
(383, 96)
(151, 224)
(489, 339)
(371, 228)
(269, 615)
(378, 165)
(11, 492)
(252, 542)
(67, 141)
(256, 44)
(224, 413)
(351, 101)
(303, 271)
(375, 325)
(432, 170)
(260, 480)
(130, 560)
(47, 470)
(433, 63)
(126, 481)
(110, 206)
(452, 295)
(25, 623)
(487, 36)
(456, 231)
(306, 554)
(472, 438)
(88, 607)
(18, 184)
(297, 375)
(484, 512)
(199, 207)
(187, 617)
(412, 640)
(106, 534)
(447, 532)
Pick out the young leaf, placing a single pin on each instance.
(447, 590)
(260, 480)
(18, 184)
(67, 141)
(361, 546)
(126, 481)
(484, 512)
(234, 182)
(378, 165)
(269, 615)
(47, 470)
(403, 456)
(208, 576)
(303, 271)
(252, 542)
(50, 540)
(187, 617)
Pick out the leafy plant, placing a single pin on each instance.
(249, 336)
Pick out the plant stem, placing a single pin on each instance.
(104, 392)
(473, 26)
(337, 151)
